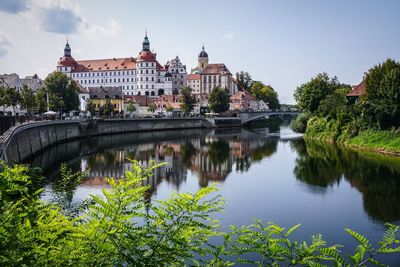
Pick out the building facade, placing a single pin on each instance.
(141, 75)
(213, 75)
(194, 81)
(178, 73)
(243, 100)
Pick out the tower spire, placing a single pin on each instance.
(67, 49)
(146, 42)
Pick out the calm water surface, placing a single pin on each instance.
(273, 176)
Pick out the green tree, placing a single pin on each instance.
(151, 108)
(27, 98)
(265, 93)
(60, 86)
(335, 104)
(309, 95)
(170, 108)
(243, 80)
(3, 98)
(41, 100)
(56, 102)
(131, 108)
(108, 108)
(218, 100)
(381, 103)
(12, 98)
(91, 107)
(187, 100)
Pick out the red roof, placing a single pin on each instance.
(146, 56)
(106, 64)
(215, 69)
(357, 90)
(67, 62)
(191, 77)
(242, 95)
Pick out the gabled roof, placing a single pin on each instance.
(357, 90)
(218, 68)
(112, 92)
(10, 80)
(32, 83)
(243, 95)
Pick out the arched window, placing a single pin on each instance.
(152, 93)
(146, 93)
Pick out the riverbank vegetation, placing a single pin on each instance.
(121, 228)
(370, 121)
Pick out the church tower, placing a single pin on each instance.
(67, 50)
(146, 43)
(202, 59)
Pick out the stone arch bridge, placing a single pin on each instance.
(247, 116)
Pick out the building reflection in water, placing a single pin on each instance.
(209, 155)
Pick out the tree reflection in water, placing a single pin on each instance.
(377, 177)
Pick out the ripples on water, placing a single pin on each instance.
(270, 175)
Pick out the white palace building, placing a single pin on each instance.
(142, 75)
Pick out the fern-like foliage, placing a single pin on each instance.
(121, 228)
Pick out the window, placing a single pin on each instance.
(97, 80)
(147, 78)
(147, 71)
(152, 86)
(123, 80)
(98, 74)
(152, 79)
(147, 86)
(123, 73)
(115, 80)
(152, 71)
(141, 71)
(147, 64)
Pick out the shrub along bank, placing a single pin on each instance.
(370, 121)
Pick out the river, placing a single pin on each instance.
(271, 175)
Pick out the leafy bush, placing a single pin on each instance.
(299, 124)
(120, 228)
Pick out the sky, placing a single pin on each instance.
(283, 43)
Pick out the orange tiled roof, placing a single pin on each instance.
(242, 95)
(106, 64)
(358, 90)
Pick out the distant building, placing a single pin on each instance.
(141, 75)
(178, 73)
(243, 100)
(358, 90)
(194, 82)
(213, 75)
(32, 82)
(100, 95)
(11, 81)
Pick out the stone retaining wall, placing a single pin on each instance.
(24, 141)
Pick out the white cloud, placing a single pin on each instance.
(230, 35)
(63, 17)
(5, 43)
(111, 28)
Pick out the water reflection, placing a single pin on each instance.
(210, 155)
(377, 177)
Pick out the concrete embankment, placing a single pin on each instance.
(24, 141)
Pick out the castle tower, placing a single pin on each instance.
(202, 59)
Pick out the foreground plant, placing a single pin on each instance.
(120, 228)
